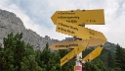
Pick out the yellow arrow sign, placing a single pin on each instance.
(80, 17)
(78, 31)
(73, 53)
(73, 44)
(95, 53)
(65, 45)
(77, 50)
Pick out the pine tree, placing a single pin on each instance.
(110, 60)
(6, 55)
(29, 62)
(96, 65)
(120, 58)
(17, 56)
(47, 60)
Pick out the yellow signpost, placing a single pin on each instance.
(65, 45)
(79, 49)
(69, 22)
(72, 53)
(95, 17)
(75, 30)
(95, 53)
(73, 44)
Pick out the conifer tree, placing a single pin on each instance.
(110, 60)
(120, 58)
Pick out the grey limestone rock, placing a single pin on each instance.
(9, 22)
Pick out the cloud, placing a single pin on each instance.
(28, 23)
(36, 15)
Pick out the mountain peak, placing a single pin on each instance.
(9, 22)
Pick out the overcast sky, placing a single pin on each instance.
(36, 15)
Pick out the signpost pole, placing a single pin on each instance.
(79, 57)
(79, 62)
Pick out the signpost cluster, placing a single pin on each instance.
(73, 23)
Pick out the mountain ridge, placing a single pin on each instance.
(9, 22)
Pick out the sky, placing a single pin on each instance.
(36, 15)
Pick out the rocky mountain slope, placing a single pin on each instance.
(9, 22)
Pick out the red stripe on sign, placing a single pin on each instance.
(79, 68)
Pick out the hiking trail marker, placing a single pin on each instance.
(73, 23)
(89, 17)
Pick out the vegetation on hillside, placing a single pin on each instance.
(19, 56)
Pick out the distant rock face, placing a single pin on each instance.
(9, 22)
